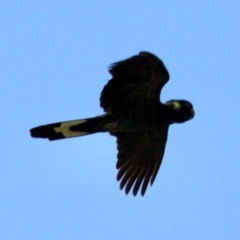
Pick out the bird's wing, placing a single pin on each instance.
(139, 158)
(135, 81)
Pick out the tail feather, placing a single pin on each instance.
(62, 130)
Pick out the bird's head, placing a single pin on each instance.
(180, 110)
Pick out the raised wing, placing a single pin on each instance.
(135, 81)
(139, 158)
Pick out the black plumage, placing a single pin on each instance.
(134, 115)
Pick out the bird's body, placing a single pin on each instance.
(134, 114)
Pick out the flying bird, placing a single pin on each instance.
(135, 115)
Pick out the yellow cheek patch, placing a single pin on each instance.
(176, 105)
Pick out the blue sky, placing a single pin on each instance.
(53, 66)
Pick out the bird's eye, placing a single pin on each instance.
(187, 105)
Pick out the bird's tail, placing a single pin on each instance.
(69, 129)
